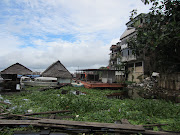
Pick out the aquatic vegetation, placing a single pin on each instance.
(96, 107)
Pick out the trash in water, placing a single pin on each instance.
(7, 101)
(77, 92)
(25, 99)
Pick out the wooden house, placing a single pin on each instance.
(10, 75)
(58, 70)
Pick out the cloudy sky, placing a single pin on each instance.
(79, 33)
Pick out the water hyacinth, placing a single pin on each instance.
(13, 108)
(95, 107)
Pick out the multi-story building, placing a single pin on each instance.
(133, 65)
(115, 49)
(115, 61)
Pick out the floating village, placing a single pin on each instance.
(127, 98)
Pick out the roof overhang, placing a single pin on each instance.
(98, 70)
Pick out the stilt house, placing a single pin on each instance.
(10, 75)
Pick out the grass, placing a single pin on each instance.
(95, 107)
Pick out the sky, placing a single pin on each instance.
(79, 33)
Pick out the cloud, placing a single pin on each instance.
(9, 43)
(79, 33)
(78, 54)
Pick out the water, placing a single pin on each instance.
(133, 93)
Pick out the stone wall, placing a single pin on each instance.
(169, 81)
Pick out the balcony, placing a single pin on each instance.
(113, 47)
(128, 58)
(124, 46)
(113, 57)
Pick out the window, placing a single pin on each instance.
(139, 64)
(141, 20)
(131, 65)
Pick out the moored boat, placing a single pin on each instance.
(39, 81)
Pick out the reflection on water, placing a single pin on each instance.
(133, 93)
(126, 93)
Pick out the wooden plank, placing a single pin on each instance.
(4, 103)
(146, 132)
(127, 132)
(45, 132)
(152, 125)
(151, 132)
(64, 117)
(124, 121)
(92, 124)
(4, 113)
(122, 128)
(50, 112)
(18, 122)
(1, 117)
(52, 116)
(22, 116)
(25, 133)
(51, 125)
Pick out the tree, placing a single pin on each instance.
(159, 37)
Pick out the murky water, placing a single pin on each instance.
(133, 93)
(127, 93)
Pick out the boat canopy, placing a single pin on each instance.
(45, 79)
(25, 78)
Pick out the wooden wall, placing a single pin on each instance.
(169, 81)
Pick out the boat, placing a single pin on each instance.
(77, 84)
(38, 81)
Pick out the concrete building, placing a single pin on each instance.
(115, 62)
(122, 57)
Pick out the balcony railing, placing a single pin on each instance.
(128, 58)
(114, 57)
(124, 46)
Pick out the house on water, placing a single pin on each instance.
(100, 78)
(59, 71)
(10, 75)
